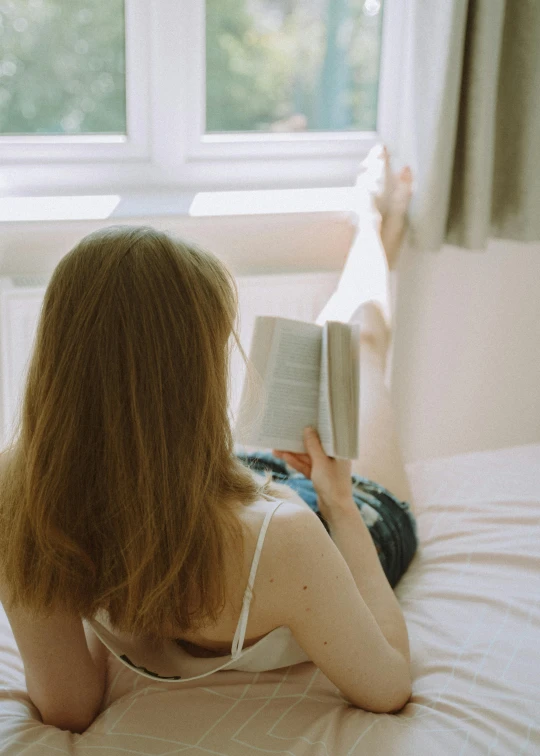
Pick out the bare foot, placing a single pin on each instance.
(382, 201)
(376, 176)
(391, 195)
(394, 221)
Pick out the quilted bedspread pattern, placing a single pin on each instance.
(471, 601)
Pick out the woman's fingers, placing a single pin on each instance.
(294, 461)
(300, 462)
(305, 458)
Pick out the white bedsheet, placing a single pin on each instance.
(471, 601)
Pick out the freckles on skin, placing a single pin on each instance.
(307, 610)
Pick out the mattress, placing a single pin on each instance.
(471, 602)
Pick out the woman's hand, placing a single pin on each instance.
(331, 477)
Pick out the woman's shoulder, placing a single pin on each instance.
(282, 508)
(292, 501)
(286, 516)
(285, 506)
(286, 541)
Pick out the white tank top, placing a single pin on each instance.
(168, 661)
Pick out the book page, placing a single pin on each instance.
(291, 385)
(344, 387)
(355, 388)
(252, 400)
(324, 426)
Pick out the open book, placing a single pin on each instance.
(310, 376)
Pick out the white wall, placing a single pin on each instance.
(466, 373)
(466, 366)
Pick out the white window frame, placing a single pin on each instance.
(166, 148)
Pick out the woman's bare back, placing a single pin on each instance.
(217, 640)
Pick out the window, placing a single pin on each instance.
(62, 67)
(292, 65)
(186, 94)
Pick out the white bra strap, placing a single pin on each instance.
(240, 634)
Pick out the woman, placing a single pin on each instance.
(127, 521)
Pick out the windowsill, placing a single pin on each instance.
(186, 204)
(253, 231)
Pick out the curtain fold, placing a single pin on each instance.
(469, 125)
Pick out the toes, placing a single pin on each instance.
(405, 176)
(391, 192)
(406, 173)
(401, 191)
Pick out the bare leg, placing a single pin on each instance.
(383, 200)
(374, 252)
(380, 457)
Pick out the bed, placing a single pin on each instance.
(471, 601)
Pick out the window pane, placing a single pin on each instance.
(292, 65)
(62, 67)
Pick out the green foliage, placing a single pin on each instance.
(323, 65)
(62, 65)
(245, 75)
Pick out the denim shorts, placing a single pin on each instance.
(390, 521)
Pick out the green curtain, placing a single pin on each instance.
(470, 124)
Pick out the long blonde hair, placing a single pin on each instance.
(121, 482)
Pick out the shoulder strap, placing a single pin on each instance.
(240, 634)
